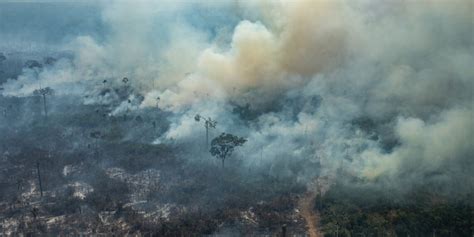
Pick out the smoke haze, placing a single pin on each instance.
(377, 90)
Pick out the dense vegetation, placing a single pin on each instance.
(363, 211)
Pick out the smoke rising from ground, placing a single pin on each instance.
(381, 90)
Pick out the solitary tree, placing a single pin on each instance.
(125, 81)
(223, 146)
(208, 123)
(44, 92)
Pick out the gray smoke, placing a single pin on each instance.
(376, 90)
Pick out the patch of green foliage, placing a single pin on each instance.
(351, 211)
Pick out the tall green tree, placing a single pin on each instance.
(223, 146)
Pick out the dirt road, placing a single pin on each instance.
(307, 202)
(311, 216)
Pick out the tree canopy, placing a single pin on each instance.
(223, 145)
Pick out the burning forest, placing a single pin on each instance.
(237, 118)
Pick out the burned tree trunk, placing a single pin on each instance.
(44, 106)
(39, 178)
(44, 92)
(207, 136)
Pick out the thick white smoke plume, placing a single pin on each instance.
(382, 90)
